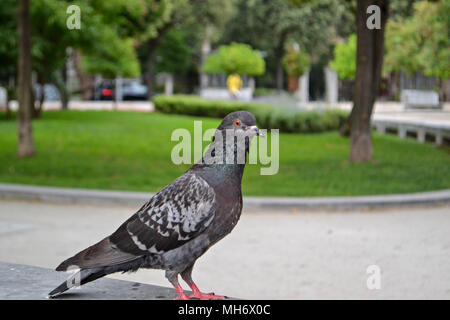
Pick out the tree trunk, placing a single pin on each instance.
(279, 75)
(370, 51)
(63, 96)
(25, 137)
(344, 131)
(63, 91)
(446, 90)
(152, 45)
(279, 52)
(59, 81)
(37, 110)
(86, 80)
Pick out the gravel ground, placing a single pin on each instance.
(270, 255)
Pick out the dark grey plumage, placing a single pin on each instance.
(178, 224)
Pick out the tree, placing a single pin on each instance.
(236, 58)
(8, 49)
(106, 44)
(51, 38)
(369, 62)
(344, 62)
(270, 25)
(25, 137)
(158, 17)
(210, 18)
(104, 33)
(296, 63)
(420, 43)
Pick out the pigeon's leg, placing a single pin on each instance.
(172, 276)
(196, 293)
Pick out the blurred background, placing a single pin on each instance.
(90, 92)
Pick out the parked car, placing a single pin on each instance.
(131, 90)
(51, 93)
(104, 91)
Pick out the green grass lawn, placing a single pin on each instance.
(131, 151)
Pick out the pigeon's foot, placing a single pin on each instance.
(196, 293)
(181, 294)
(206, 296)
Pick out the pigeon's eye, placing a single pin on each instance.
(237, 123)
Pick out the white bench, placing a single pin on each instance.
(420, 128)
(420, 99)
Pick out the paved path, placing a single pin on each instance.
(270, 255)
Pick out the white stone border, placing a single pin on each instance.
(85, 196)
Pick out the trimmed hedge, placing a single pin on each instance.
(267, 116)
(196, 106)
(303, 121)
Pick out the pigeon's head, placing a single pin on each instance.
(242, 123)
(231, 141)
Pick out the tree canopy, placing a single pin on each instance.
(296, 62)
(344, 62)
(173, 54)
(235, 58)
(421, 42)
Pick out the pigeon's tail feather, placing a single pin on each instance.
(95, 262)
(81, 277)
(101, 254)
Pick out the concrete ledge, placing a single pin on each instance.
(20, 282)
(66, 195)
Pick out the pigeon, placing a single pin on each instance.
(180, 222)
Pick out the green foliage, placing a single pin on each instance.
(8, 40)
(115, 57)
(173, 54)
(103, 38)
(208, 17)
(420, 43)
(153, 16)
(266, 115)
(235, 58)
(344, 62)
(296, 62)
(107, 47)
(270, 25)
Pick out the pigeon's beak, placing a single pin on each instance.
(258, 132)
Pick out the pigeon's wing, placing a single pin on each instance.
(175, 215)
